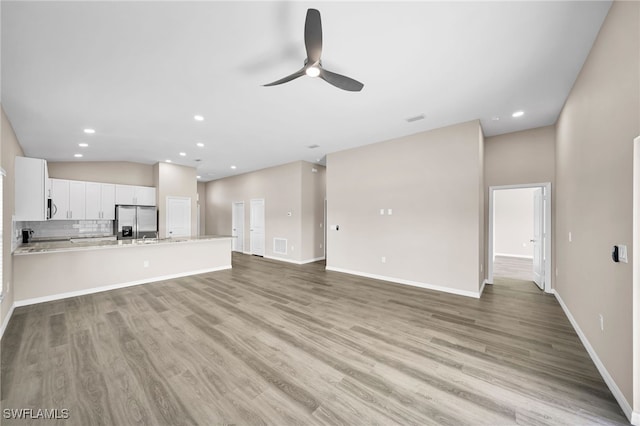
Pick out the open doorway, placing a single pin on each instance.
(520, 234)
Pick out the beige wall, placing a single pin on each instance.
(595, 135)
(432, 183)
(120, 172)
(172, 180)
(520, 158)
(8, 152)
(282, 189)
(313, 196)
(202, 204)
(513, 210)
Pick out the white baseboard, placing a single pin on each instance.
(517, 256)
(635, 418)
(297, 262)
(33, 301)
(6, 320)
(474, 294)
(615, 390)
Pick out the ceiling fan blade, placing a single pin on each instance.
(341, 81)
(313, 36)
(293, 76)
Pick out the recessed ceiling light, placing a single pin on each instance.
(89, 131)
(198, 177)
(167, 161)
(233, 167)
(198, 118)
(83, 145)
(183, 154)
(517, 114)
(77, 155)
(199, 144)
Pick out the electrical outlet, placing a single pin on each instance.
(383, 260)
(556, 272)
(601, 322)
(320, 245)
(570, 237)
(145, 264)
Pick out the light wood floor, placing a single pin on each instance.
(280, 344)
(513, 267)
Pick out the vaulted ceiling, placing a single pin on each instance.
(138, 72)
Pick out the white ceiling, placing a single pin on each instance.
(137, 72)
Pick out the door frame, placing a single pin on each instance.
(264, 226)
(546, 189)
(234, 225)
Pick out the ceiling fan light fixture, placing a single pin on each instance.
(313, 71)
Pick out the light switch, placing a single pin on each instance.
(389, 212)
(381, 212)
(622, 254)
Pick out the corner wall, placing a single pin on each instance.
(10, 149)
(285, 189)
(173, 180)
(432, 183)
(594, 172)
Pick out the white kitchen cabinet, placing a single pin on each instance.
(68, 199)
(145, 195)
(100, 201)
(108, 201)
(31, 178)
(135, 195)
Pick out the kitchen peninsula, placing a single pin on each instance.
(56, 270)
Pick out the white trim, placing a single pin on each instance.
(635, 418)
(6, 320)
(546, 186)
(2, 172)
(517, 256)
(84, 292)
(474, 294)
(245, 252)
(615, 390)
(297, 262)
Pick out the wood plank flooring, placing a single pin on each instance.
(513, 267)
(280, 344)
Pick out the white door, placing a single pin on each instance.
(178, 216)
(256, 227)
(237, 226)
(538, 238)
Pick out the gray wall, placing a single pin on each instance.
(594, 164)
(433, 183)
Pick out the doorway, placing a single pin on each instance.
(256, 227)
(520, 233)
(178, 216)
(237, 226)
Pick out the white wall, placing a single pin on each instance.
(513, 222)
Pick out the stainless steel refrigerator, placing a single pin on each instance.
(134, 222)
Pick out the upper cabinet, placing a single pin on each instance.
(135, 195)
(100, 201)
(68, 199)
(31, 190)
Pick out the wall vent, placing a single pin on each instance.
(280, 245)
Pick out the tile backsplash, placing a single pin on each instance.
(68, 228)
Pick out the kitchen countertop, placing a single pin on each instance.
(96, 244)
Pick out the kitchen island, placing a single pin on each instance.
(55, 270)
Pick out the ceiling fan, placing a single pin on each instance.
(313, 65)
